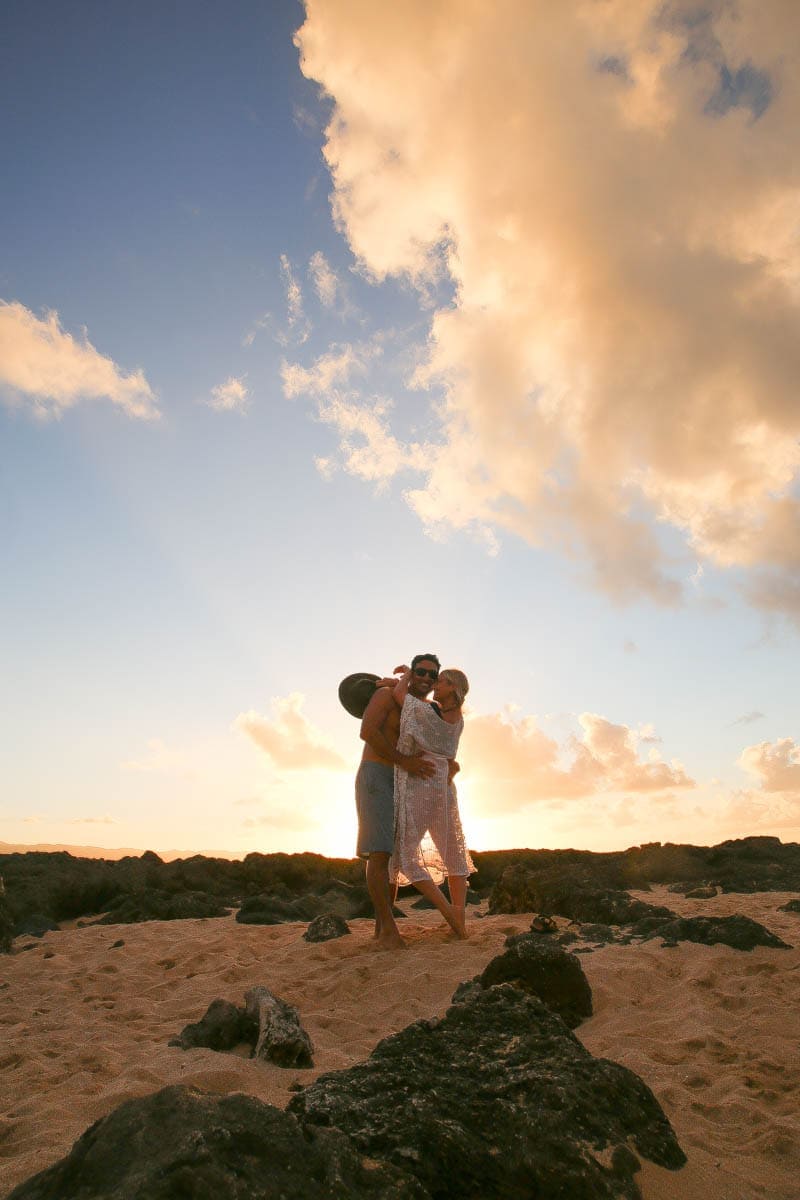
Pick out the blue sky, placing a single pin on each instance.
(311, 363)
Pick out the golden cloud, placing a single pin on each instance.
(524, 765)
(42, 365)
(610, 192)
(289, 738)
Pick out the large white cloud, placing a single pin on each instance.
(611, 190)
(42, 365)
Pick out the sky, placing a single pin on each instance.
(335, 333)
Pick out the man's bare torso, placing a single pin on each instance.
(387, 719)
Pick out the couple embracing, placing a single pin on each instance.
(409, 829)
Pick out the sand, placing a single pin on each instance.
(84, 1025)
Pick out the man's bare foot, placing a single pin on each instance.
(390, 940)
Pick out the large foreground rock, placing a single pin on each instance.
(497, 1099)
(181, 1144)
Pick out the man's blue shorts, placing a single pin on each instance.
(375, 808)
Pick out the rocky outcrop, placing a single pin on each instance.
(568, 892)
(326, 927)
(738, 932)
(6, 922)
(273, 910)
(150, 904)
(62, 887)
(496, 1099)
(183, 1143)
(35, 925)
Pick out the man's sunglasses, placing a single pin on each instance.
(421, 672)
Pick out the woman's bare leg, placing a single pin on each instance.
(436, 896)
(458, 896)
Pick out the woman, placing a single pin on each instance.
(429, 841)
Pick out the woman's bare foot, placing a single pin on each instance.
(459, 923)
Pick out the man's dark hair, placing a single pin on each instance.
(428, 657)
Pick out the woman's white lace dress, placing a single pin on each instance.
(429, 841)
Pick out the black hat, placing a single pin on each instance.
(356, 691)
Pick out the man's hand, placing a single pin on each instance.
(417, 765)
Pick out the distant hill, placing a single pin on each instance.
(110, 854)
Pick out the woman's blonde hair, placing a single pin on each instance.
(459, 681)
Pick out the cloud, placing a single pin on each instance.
(775, 764)
(525, 765)
(164, 760)
(230, 396)
(367, 447)
(289, 738)
(298, 326)
(331, 370)
(748, 718)
(282, 818)
(47, 368)
(324, 278)
(606, 189)
(92, 821)
(260, 323)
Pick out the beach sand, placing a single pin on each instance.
(714, 1032)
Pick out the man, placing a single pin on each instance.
(380, 729)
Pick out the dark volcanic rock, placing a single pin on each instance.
(598, 933)
(700, 893)
(497, 1099)
(741, 933)
(223, 1027)
(790, 906)
(183, 1143)
(326, 927)
(150, 904)
(546, 970)
(269, 1024)
(569, 892)
(272, 910)
(281, 1037)
(36, 925)
(6, 922)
